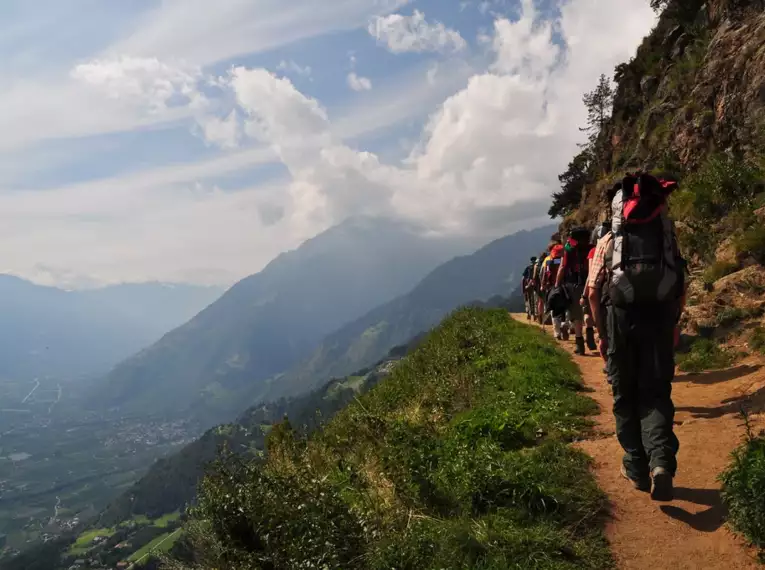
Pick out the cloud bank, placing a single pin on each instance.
(493, 130)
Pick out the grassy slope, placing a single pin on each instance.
(85, 540)
(458, 460)
(162, 543)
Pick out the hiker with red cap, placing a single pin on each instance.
(637, 273)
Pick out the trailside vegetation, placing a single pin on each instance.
(459, 459)
(744, 488)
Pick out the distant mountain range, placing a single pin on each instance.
(492, 270)
(46, 331)
(216, 365)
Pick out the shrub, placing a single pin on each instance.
(757, 340)
(743, 489)
(722, 185)
(715, 201)
(730, 316)
(718, 270)
(752, 241)
(704, 354)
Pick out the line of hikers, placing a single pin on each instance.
(626, 281)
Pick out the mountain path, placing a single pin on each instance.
(688, 533)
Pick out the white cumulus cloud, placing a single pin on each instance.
(413, 33)
(359, 83)
(485, 162)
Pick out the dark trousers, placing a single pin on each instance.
(641, 366)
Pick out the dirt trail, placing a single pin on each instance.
(689, 532)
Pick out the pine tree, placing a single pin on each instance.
(599, 103)
(572, 183)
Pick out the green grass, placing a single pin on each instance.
(85, 541)
(459, 459)
(165, 520)
(703, 355)
(162, 543)
(744, 488)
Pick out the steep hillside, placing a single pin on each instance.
(171, 483)
(456, 460)
(214, 365)
(492, 270)
(68, 334)
(692, 103)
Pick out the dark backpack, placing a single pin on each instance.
(577, 264)
(580, 235)
(539, 268)
(644, 261)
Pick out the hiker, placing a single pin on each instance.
(638, 273)
(598, 233)
(556, 302)
(573, 278)
(538, 293)
(527, 286)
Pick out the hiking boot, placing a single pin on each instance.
(590, 334)
(642, 484)
(579, 346)
(661, 486)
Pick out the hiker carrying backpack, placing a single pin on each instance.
(577, 249)
(639, 268)
(573, 278)
(555, 298)
(644, 260)
(527, 287)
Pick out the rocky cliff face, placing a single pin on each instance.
(695, 87)
(692, 102)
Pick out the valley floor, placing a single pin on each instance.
(690, 532)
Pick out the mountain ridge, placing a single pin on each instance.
(71, 334)
(492, 270)
(218, 361)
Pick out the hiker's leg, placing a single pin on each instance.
(576, 313)
(656, 407)
(541, 307)
(589, 324)
(556, 325)
(622, 361)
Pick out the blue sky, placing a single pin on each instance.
(189, 140)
